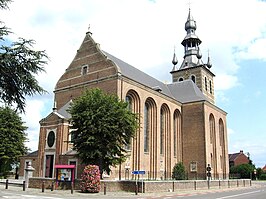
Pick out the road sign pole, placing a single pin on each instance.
(142, 184)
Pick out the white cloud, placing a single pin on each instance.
(225, 81)
(230, 131)
(255, 147)
(254, 50)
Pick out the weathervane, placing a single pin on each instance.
(89, 29)
(189, 4)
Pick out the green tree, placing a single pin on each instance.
(179, 172)
(243, 170)
(102, 127)
(18, 65)
(12, 139)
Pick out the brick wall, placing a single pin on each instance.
(149, 186)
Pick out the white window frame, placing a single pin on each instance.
(83, 72)
(193, 166)
(76, 169)
(46, 139)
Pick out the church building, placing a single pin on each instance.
(179, 121)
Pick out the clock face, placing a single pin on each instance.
(51, 139)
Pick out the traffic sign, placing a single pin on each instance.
(138, 172)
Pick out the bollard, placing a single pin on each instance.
(237, 183)
(173, 186)
(136, 189)
(244, 183)
(72, 187)
(24, 185)
(219, 184)
(42, 186)
(250, 183)
(195, 185)
(228, 184)
(6, 183)
(52, 186)
(104, 189)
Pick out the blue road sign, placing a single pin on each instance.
(138, 172)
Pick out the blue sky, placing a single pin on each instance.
(144, 33)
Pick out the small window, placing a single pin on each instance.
(180, 79)
(193, 167)
(84, 70)
(193, 78)
(210, 87)
(51, 139)
(70, 138)
(206, 84)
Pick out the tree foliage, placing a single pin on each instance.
(19, 62)
(102, 126)
(179, 172)
(12, 139)
(243, 170)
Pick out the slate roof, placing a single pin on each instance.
(33, 154)
(63, 110)
(70, 152)
(185, 91)
(137, 75)
(233, 156)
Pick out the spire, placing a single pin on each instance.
(174, 61)
(89, 32)
(191, 44)
(209, 65)
(54, 108)
(191, 23)
(199, 56)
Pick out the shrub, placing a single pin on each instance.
(90, 179)
(179, 171)
(244, 170)
(262, 176)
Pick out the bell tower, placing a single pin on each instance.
(192, 66)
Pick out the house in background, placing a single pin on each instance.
(236, 159)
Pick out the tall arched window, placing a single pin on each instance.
(221, 132)
(132, 98)
(213, 142)
(177, 134)
(146, 127)
(165, 129)
(162, 132)
(212, 128)
(129, 101)
(222, 144)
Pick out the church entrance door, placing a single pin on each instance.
(49, 164)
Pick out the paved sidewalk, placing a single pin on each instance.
(15, 192)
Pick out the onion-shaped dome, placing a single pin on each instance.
(191, 23)
(199, 55)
